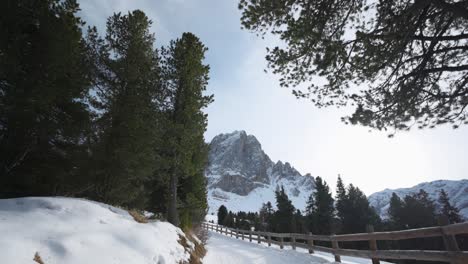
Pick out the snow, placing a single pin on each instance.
(254, 200)
(76, 231)
(457, 192)
(228, 250)
(211, 218)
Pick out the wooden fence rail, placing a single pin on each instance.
(451, 254)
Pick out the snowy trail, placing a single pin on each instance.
(227, 250)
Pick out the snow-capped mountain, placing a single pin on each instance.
(457, 192)
(242, 177)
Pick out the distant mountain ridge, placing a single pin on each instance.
(241, 176)
(457, 192)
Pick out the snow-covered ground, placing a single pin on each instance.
(254, 200)
(69, 231)
(227, 250)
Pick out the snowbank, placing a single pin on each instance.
(69, 231)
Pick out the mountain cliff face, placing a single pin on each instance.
(242, 177)
(457, 192)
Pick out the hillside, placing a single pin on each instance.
(457, 192)
(76, 231)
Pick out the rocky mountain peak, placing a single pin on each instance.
(238, 165)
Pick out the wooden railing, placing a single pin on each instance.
(452, 254)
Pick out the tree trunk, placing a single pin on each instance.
(173, 216)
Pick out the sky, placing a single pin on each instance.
(313, 140)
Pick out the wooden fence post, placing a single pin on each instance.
(281, 242)
(237, 233)
(450, 241)
(293, 242)
(310, 243)
(269, 240)
(259, 240)
(242, 234)
(372, 244)
(335, 245)
(250, 236)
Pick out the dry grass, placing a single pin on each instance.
(139, 217)
(37, 258)
(197, 254)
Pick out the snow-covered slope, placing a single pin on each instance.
(242, 177)
(66, 230)
(457, 192)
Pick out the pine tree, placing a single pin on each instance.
(186, 78)
(283, 219)
(353, 209)
(320, 208)
(395, 211)
(418, 211)
(128, 89)
(44, 80)
(448, 210)
(192, 188)
(340, 198)
(266, 214)
(222, 213)
(310, 204)
(299, 222)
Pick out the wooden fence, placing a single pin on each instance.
(452, 254)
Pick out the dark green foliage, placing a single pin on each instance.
(320, 208)
(222, 213)
(353, 209)
(185, 77)
(408, 56)
(395, 210)
(112, 119)
(448, 210)
(127, 90)
(266, 216)
(44, 80)
(413, 211)
(283, 220)
(229, 219)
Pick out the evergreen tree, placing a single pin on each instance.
(353, 209)
(192, 188)
(127, 90)
(186, 78)
(222, 213)
(409, 54)
(340, 198)
(266, 215)
(229, 220)
(448, 210)
(418, 211)
(320, 208)
(395, 210)
(44, 80)
(283, 219)
(299, 225)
